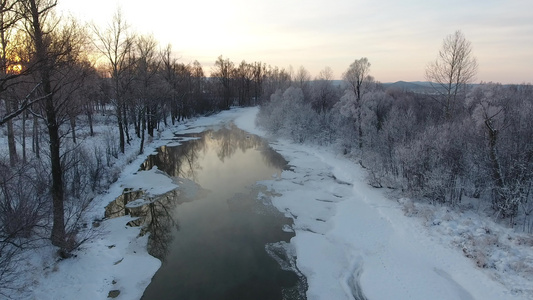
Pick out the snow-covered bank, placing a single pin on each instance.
(350, 235)
(114, 258)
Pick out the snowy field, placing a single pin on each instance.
(349, 237)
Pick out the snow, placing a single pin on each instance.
(348, 236)
(153, 182)
(115, 260)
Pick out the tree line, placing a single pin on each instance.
(58, 79)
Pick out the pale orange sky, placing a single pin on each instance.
(398, 37)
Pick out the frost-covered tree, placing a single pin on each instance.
(502, 116)
(356, 75)
(454, 68)
(302, 79)
(324, 94)
(275, 78)
(288, 115)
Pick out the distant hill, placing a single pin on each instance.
(422, 87)
(414, 86)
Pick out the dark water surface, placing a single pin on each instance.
(211, 233)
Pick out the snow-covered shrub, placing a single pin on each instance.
(23, 202)
(405, 142)
(111, 147)
(288, 115)
(24, 207)
(502, 118)
(346, 118)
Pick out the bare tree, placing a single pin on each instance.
(116, 44)
(450, 73)
(324, 95)
(9, 68)
(222, 72)
(258, 75)
(302, 79)
(145, 74)
(274, 79)
(168, 73)
(244, 75)
(35, 13)
(56, 50)
(198, 86)
(356, 75)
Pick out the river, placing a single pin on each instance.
(217, 235)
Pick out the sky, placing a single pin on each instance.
(399, 38)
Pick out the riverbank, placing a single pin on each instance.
(352, 241)
(350, 238)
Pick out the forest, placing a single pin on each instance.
(60, 78)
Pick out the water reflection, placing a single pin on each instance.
(155, 216)
(218, 249)
(182, 161)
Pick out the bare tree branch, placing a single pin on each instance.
(23, 106)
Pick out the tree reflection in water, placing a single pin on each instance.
(181, 161)
(160, 223)
(222, 239)
(155, 217)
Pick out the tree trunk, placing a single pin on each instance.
(143, 129)
(58, 236)
(24, 157)
(120, 128)
(495, 165)
(13, 157)
(35, 143)
(90, 120)
(360, 128)
(125, 120)
(73, 128)
(58, 227)
(498, 200)
(137, 124)
(150, 125)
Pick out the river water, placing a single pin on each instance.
(217, 234)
